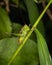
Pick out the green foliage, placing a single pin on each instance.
(16, 27)
(44, 55)
(28, 54)
(5, 24)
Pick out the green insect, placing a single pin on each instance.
(22, 33)
(25, 29)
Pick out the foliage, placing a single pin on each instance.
(5, 24)
(33, 49)
(44, 55)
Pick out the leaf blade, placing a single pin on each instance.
(5, 24)
(42, 49)
(27, 55)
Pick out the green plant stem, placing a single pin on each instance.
(30, 32)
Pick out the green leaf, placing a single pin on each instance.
(27, 56)
(34, 14)
(16, 27)
(5, 24)
(45, 58)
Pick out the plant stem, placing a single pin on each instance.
(30, 32)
